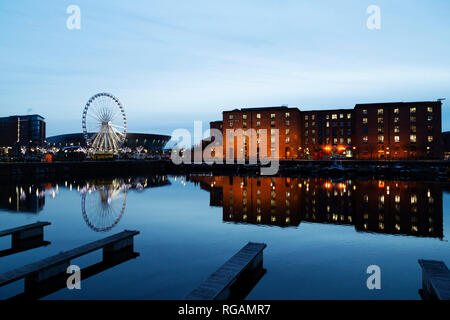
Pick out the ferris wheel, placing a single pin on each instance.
(104, 123)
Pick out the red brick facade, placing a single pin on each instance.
(369, 131)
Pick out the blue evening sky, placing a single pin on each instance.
(172, 62)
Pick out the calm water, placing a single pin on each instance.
(321, 235)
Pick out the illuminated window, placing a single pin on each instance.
(288, 131)
(413, 138)
(327, 117)
(430, 138)
(244, 124)
(306, 117)
(365, 120)
(380, 120)
(380, 130)
(328, 124)
(244, 116)
(365, 138)
(396, 120)
(272, 132)
(349, 140)
(272, 116)
(258, 116)
(412, 110)
(413, 199)
(335, 141)
(396, 111)
(288, 140)
(313, 141)
(397, 139)
(306, 124)
(397, 199)
(430, 109)
(380, 139)
(380, 112)
(396, 129)
(349, 115)
(364, 111)
(288, 115)
(231, 117)
(341, 116)
(334, 116)
(430, 118)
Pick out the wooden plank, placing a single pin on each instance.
(228, 273)
(23, 228)
(436, 278)
(62, 257)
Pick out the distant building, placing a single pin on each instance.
(22, 131)
(399, 130)
(150, 142)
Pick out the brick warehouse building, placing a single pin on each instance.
(398, 130)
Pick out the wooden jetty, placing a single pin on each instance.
(36, 275)
(25, 238)
(241, 272)
(435, 280)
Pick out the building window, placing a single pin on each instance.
(341, 140)
(258, 123)
(306, 118)
(231, 117)
(328, 124)
(244, 116)
(244, 124)
(365, 120)
(313, 117)
(396, 129)
(365, 138)
(349, 115)
(397, 139)
(288, 115)
(380, 130)
(413, 138)
(313, 132)
(272, 123)
(272, 116)
(306, 133)
(288, 122)
(396, 111)
(380, 112)
(288, 131)
(381, 139)
(413, 129)
(430, 109)
(380, 120)
(341, 116)
(258, 116)
(364, 111)
(327, 117)
(396, 120)
(334, 116)
(313, 124)
(349, 140)
(288, 140)
(412, 110)
(430, 118)
(335, 141)
(430, 138)
(306, 124)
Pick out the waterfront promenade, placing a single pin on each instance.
(412, 169)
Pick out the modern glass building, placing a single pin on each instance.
(22, 131)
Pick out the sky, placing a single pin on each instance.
(173, 62)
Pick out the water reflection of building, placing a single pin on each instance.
(391, 207)
(27, 198)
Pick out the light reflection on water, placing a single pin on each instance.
(321, 234)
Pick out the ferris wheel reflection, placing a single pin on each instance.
(103, 203)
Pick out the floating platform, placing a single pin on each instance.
(235, 278)
(116, 248)
(25, 238)
(435, 280)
